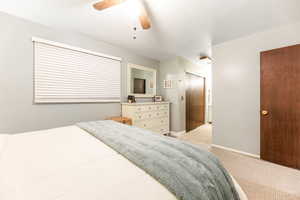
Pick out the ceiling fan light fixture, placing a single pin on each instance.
(205, 59)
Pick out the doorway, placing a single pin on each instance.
(280, 106)
(195, 101)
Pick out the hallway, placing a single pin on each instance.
(201, 135)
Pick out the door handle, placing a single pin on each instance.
(264, 112)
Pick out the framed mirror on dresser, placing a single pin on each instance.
(141, 81)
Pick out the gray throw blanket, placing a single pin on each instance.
(184, 169)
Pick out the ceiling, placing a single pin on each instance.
(179, 27)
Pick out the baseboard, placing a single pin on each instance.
(177, 134)
(236, 151)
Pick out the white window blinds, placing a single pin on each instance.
(65, 74)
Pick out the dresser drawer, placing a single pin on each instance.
(139, 109)
(161, 113)
(143, 124)
(162, 121)
(152, 124)
(150, 108)
(163, 107)
(138, 116)
(144, 116)
(145, 108)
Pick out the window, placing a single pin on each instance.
(65, 74)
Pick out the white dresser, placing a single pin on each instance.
(151, 116)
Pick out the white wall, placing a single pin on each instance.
(18, 113)
(170, 70)
(175, 70)
(236, 87)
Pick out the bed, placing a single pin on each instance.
(68, 163)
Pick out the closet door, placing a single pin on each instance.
(195, 101)
(280, 106)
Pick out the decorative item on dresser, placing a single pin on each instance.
(123, 120)
(157, 98)
(131, 99)
(153, 116)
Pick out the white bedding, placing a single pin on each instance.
(3, 140)
(69, 164)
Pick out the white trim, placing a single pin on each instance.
(177, 134)
(195, 73)
(58, 44)
(129, 67)
(236, 151)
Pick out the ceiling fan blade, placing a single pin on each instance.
(144, 19)
(107, 4)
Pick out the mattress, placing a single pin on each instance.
(3, 140)
(69, 164)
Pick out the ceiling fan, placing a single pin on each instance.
(143, 15)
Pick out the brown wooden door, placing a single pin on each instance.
(280, 106)
(195, 101)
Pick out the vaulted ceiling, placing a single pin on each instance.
(179, 27)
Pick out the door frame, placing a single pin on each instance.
(186, 104)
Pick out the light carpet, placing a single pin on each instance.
(259, 179)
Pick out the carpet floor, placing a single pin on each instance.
(259, 179)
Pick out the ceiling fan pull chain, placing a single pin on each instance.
(134, 33)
